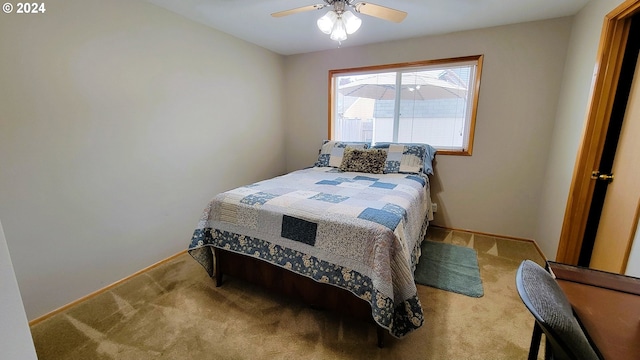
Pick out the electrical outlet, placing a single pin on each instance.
(434, 207)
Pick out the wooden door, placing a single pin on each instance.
(616, 228)
(576, 226)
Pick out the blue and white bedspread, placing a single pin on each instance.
(358, 231)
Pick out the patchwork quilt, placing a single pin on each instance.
(358, 231)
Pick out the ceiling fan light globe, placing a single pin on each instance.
(327, 22)
(351, 22)
(339, 32)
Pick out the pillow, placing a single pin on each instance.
(430, 153)
(428, 160)
(366, 161)
(331, 152)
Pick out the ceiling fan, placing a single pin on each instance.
(339, 21)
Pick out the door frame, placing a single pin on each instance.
(607, 72)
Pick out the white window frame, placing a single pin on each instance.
(472, 103)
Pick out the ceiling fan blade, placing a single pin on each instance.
(298, 10)
(380, 11)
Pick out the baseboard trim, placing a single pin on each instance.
(104, 289)
(535, 244)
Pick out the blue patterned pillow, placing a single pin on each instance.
(405, 158)
(332, 151)
(430, 153)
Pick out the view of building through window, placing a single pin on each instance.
(424, 103)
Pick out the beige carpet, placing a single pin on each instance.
(175, 311)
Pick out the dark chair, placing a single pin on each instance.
(553, 315)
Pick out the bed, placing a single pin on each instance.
(344, 234)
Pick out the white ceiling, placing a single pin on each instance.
(251, 20)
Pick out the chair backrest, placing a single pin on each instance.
(551, 309)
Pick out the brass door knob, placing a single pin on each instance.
(603, 177)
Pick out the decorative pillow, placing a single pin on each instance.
(404, 158)
(366, 161)
(332, 151)
(408, 158)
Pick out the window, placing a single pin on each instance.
(431, 102)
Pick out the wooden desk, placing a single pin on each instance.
(607, 305)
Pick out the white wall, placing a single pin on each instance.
(15, 336)
(497, 190)
(119, 121)
(570, 119)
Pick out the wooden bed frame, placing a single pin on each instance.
(288, 283)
